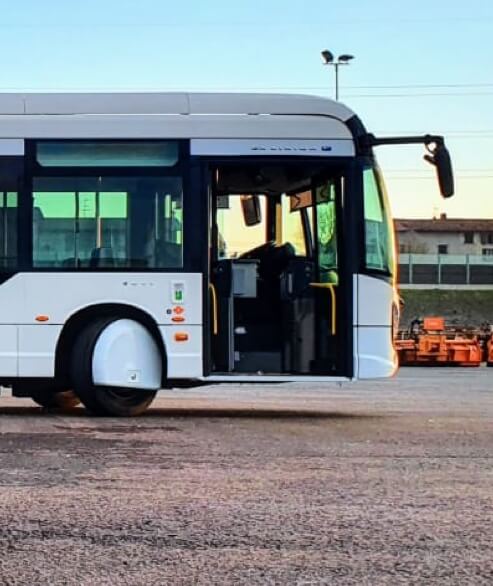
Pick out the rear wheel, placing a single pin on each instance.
(103, 400)
(50, 399)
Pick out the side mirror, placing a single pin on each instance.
(440, 158)
(252, 212)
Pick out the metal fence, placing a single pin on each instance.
(445, 269)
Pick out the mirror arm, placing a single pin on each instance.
(370, 140)
(437, 155)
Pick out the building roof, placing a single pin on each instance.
(170, 103)
(443, 224)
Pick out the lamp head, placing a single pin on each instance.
(327, 56)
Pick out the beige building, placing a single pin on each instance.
(445, 236)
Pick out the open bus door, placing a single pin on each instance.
(275, 276)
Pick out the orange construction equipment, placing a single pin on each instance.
(432, 348)
(464, 352)
(489, 355)
(434, 324)
(406, 350)
(431, 344)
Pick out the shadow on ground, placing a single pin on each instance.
(196, 412)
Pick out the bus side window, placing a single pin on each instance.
(8, 230)
(326, 227)
(123, 222)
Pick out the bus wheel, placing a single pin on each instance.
(110, 400)
(55, 399)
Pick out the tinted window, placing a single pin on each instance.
(292, 226)
(8, 230)
(379, 235)
(326, 227)
(107, 154)
(234, 236)
(101, 222)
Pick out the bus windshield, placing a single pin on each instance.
(379, 233)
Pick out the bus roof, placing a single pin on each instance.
(170, 103)
(173, 116)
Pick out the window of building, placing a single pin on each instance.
(443, 249)
(468, 237)
(486, 237)
(102, 222)
(487, 252)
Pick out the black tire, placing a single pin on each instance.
(59, 400)
(99, 400)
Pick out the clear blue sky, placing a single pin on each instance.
(420, 67)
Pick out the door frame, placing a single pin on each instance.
(350, 236)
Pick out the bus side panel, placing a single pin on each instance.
(377, 358)
(184, 356)
(37, 345)
(59, 295)
(8, 350)
(355, 328)
(376, 355)
(28, 345)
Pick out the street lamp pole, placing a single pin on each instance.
(329, 59)
(336, 67)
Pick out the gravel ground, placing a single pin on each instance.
(374, 483)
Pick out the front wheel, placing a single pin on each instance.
(104, 400)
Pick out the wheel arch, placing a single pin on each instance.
(81, 318)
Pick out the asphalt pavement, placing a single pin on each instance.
(383, 482)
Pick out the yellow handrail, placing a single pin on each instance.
(331, 288)
(215, 327)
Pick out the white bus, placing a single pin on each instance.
(163, 240)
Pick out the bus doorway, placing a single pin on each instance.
(276, 287)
